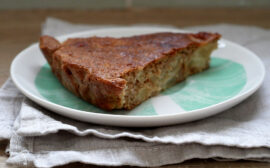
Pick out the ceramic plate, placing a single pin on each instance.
(234, 74)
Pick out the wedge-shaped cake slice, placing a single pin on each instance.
(121, 73)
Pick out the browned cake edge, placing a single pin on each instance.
(103, 93)
(135, 86)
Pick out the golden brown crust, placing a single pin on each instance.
(93, 68)
(111, 57)
(48, 45)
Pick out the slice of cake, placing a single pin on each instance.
(121, 73)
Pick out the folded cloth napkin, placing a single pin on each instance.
(44, 139)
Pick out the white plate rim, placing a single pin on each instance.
(136, 121)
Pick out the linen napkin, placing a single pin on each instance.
(44, 139)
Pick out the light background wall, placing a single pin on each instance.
(122, 4)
